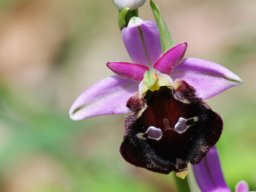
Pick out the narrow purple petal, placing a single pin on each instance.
(242, 186)
(142, 41)
(129, 70)
(208, 78)
(208, 173)
(171, 58)
(109, 96)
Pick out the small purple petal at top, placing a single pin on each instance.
(142, 41)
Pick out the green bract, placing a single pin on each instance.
(166, 39)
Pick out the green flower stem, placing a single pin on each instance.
(125, 15)
(181, 184)
(192, 181)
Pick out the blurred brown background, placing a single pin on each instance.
(51, 50)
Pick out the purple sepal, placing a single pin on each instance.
(142, 42)
(109, 96)
(208, 78)
(242, 186)
(171, 58)
(129, 70)
(208, 173)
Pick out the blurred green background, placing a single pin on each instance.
(51, 50)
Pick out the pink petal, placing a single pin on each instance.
(242, 186)
(171, 58)
(109, 96)
(142, 42)
(129, 70)
(208, 78)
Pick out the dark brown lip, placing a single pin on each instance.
(174, 150)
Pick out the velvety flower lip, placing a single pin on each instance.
(168, 128)
(142, 41)
(208, 173)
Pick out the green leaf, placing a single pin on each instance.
(166, 39)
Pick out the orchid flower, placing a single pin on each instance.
(169, 125)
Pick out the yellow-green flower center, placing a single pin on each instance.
(153, 80)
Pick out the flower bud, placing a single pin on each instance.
(131, 4)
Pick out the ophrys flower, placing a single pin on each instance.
(169, 124)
